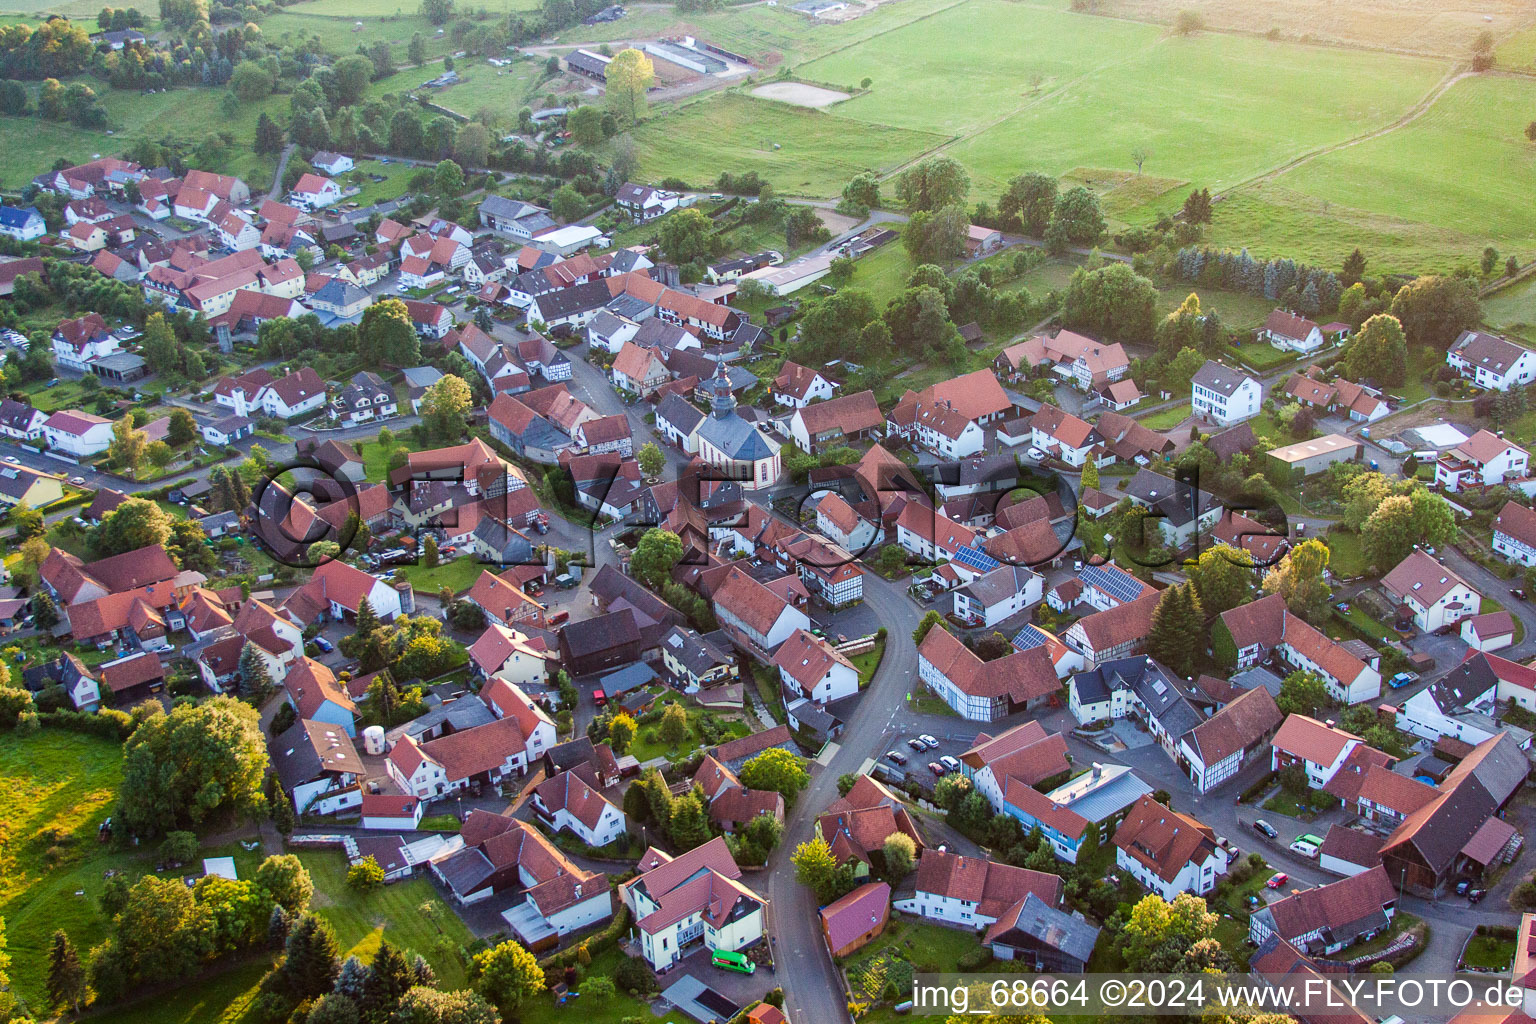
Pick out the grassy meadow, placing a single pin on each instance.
(1444, 185)
(817, 152)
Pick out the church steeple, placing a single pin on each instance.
(721, 401)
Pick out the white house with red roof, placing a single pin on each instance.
(1321, 748)
(1483, 460)
(568, 803)
(798, 386)
(400, 812)
(78, 343)
(1436, 595)
(1490, 631)
(1490, 361)
(928, 534)
(511, 655)
(313, 192)
(337, 589)
(696, 898)
(971, 892)
(295, 394)
(1168, 852)
(1289, 332)
(77, 433)
(812, 669)
(984, 691)
(1063, 436)
(483, 755)
(1514, 533)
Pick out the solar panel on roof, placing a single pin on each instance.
(978, 560)
(1117, 583)
(1028, 638)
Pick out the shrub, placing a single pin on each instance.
(975, 959)
(634, 975)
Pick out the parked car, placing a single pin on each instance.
(1402, 679)
(1277, 880)
(936, 768)
(1266, 829)
(1475, 896)
(326, 647)
(896, 756)
(949, 762)
(1518, 594)
(933, 744)
(917, 745)
(1462, 886)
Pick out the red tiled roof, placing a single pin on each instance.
(1163, 840)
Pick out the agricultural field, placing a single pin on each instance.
(397, 8)
(1197, 124)
(341, 34)
(816, 152)
(29, 145)
(768, 36)
(1445, 29)
(503, 90)
(1446, 184)
(55, 788)
(1513, 306)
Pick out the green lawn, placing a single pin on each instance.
(362, 921)
(883, 273)
(1512, 306)
(459, 574)
(1283, 802)
(55, 788)
(1168, 418)
(1257, 356)
(1346, 557)
(868, 662)
(339, 34)
(542, 1009)
(802, 151)
(505, 90)
(1488, 952)
(395, 175)
(648, 744)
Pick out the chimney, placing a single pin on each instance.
(1098, 769)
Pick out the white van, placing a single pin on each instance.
(1305, 847)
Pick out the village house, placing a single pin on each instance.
(837, 421)
(1350, 675)
(312, 690)
(1490, 361)
(552, 896)
(1514, 533)
(1224, 396)
(318, 767)
(78, 434)
(731, 805)
(696, 898)
(1023, 755)
(1168, 852)
(972, 892)
(1481, 461)
(812, 669)
(984, 691)
(1435, 595)
(1114, 633)
(1216, 749)
(852, 921)
(1289, 332)
(798, 386)
(1328, 918)
(570, 803)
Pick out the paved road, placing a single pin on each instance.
(817, 993)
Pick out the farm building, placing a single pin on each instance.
(1304, 458)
